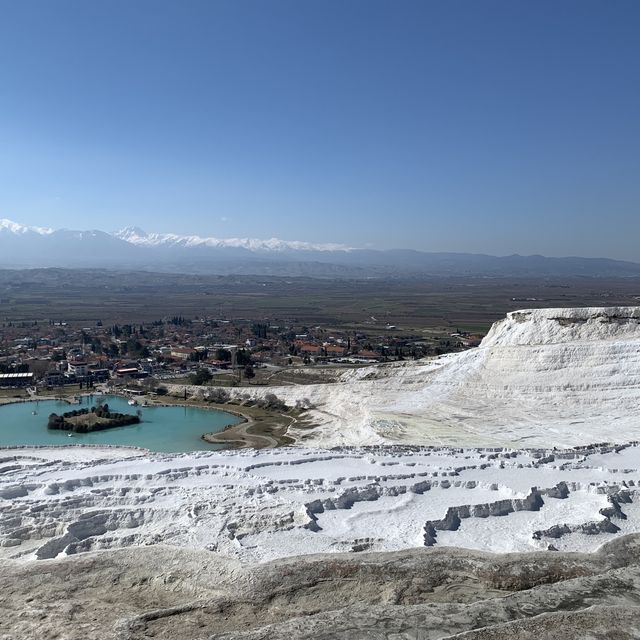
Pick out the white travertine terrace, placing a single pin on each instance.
(540, 378)
(257, 506)
(511, 469)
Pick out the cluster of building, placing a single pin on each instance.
(58, 353)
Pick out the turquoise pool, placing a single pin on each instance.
(171, 429)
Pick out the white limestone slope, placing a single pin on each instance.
(544, 377)
(553, 377)
(261, 505)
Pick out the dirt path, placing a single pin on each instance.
(259, 433)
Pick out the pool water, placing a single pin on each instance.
(171, 429)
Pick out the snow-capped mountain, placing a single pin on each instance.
(137, 236)
(24, 246)
(8, 226)
(132, 248)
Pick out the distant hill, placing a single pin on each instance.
(132, 248)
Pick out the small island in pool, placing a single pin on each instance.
(87, 420)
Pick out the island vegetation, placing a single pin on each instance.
(87, 420)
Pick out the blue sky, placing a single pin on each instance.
(479, 125)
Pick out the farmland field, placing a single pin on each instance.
(468, 303)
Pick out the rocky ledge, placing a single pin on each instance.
(164, 592)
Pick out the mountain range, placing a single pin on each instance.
(132, 248)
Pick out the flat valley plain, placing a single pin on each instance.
(466, 303)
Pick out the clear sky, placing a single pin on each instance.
(494, 126)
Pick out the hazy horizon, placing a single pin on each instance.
(493, 127)
(293, 242)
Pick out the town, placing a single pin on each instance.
(52, 354)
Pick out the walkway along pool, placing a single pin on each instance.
(171, 429)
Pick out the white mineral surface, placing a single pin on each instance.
(542, 383)
(257, 506)
(540, 378)
(533, 447)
